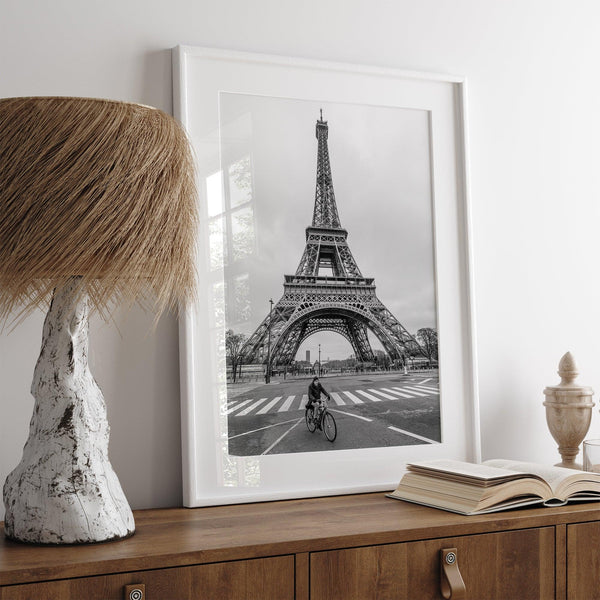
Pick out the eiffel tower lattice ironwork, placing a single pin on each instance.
(343, 301)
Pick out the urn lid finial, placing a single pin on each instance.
(567, 369)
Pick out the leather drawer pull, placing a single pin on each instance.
(451, 581)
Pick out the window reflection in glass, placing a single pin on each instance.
(242, 232)
(217, 247)
(230, 214)
(240, 311)
(232, 240)
(214, 194)
(240, 182)
(218, 299)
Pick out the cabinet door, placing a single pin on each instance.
(515, 564)
(583, 561)
(258, 579)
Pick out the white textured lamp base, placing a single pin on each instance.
(64, 490)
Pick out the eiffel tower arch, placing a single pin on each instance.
(343, 301)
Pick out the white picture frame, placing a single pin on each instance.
(199, 76)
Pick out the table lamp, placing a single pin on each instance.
(97, 209)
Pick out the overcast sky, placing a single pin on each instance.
(382, 181)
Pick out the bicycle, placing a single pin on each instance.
(322, 419)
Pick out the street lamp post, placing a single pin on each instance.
(319, 360)
(268, 373)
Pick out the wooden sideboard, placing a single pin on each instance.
(346, 547)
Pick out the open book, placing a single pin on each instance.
(494, 485)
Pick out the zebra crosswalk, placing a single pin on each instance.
(241, 407)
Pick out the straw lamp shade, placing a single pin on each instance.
(95, 188)
(97, 208)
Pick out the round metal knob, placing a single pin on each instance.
(450, 558)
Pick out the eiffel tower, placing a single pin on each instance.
(343, 301)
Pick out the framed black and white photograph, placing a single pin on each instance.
(332, 340)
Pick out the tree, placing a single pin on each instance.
(234, 342)
(428, 338)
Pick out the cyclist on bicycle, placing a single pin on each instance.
(315, 389)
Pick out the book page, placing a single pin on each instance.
(509, 505)
(554, 476)
(481, 472)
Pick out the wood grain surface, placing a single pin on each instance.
(182, 537)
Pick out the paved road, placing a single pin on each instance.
(371, 410)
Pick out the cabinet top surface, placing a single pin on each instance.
(183, 536)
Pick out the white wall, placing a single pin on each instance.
(534, 116)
